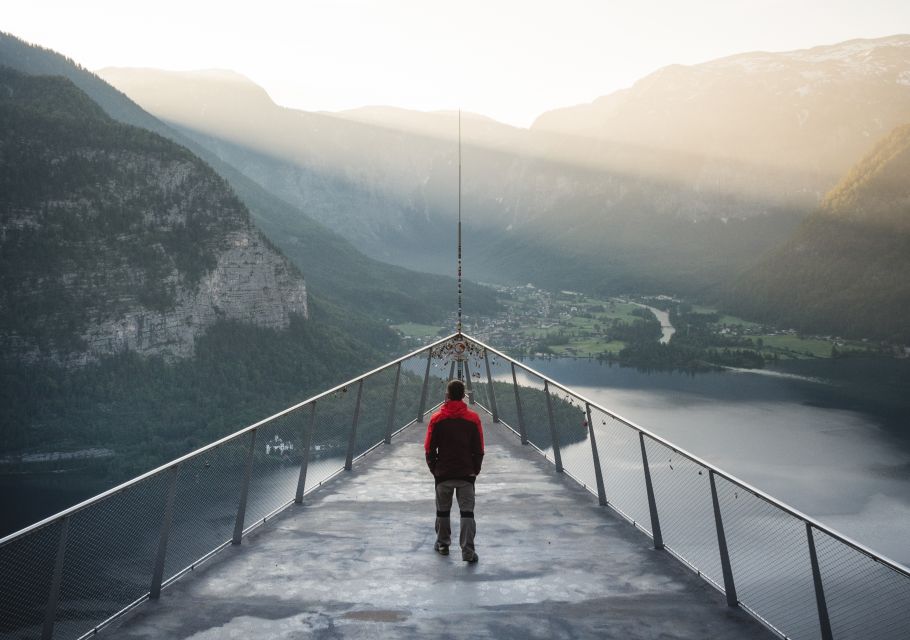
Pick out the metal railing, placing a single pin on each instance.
(797, 576)
(71, 574)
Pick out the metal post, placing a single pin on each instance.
(729, 586)
(652, 505)
(521, 418)
(598, 472)
(468, 384)
(423, 393)
(307, 438)
(50, 613)
(244, 491)
(166, 519)
(823, 620)
(349, 461)
(554, 437)
(388, 431)
(493, 410)
(451, 371)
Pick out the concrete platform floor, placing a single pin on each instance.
(357, 561)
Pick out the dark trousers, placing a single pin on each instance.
(464, 492)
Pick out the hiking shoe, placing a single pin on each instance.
(441, 549)
(469, 556)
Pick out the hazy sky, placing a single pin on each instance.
(509, 59)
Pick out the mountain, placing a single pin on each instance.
(140, 309)
(386, 178)
(362, 293)
(846, 270)
(780, 126)
(678, 184)
(113, 238)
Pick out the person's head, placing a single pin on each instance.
(455, 390)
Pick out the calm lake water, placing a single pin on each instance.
(830, 438)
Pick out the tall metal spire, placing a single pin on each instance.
(460, 347)
(458, 324)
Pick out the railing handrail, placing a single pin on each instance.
(897, 566)
(167, 465)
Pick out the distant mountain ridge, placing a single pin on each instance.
(847, 269)
(680, 183)
(114, 239)
(788, 124)
(388, 183)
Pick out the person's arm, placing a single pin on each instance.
(429, 447)
(477, 447)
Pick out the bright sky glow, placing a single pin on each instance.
(508, 59)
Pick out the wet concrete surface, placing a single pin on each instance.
(357, 561)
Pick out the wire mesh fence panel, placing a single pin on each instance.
(769, 557)
(110, 555)
(276, 464)
(439, 378)
(505, 395)
(571, 420)
(620, 461)
(682, 492)
(477, 371)
(409, 388)
(866, 598)
(534, 411)
(373, 421)
(331, 433)
(27, 566)
(205, 503)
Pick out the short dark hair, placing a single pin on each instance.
(455, 390)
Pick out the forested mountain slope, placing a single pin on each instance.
(115, 239)
(847, 269)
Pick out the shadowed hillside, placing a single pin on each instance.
(847, 269)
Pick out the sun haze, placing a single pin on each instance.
(510, 59)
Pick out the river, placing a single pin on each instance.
(824, 436)
(666, 327)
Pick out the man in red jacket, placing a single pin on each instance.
(454, 450)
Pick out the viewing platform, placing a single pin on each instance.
(318, 522)
(356, 560)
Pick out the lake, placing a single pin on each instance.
(830, 438)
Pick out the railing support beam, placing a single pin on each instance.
(468, 384)
(388, 430)
(352, 441)
(652, 503)
(820, 601)
(421, 410)
(244, 491)
(166, 520)
(554, 435)
(493, 409)
(521, 418)
(598, 472)
(726, 568)
(307, 439)
(50, 612)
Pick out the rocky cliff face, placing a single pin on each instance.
(113, 238)
(250, 283)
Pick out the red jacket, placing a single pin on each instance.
(454, 443)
